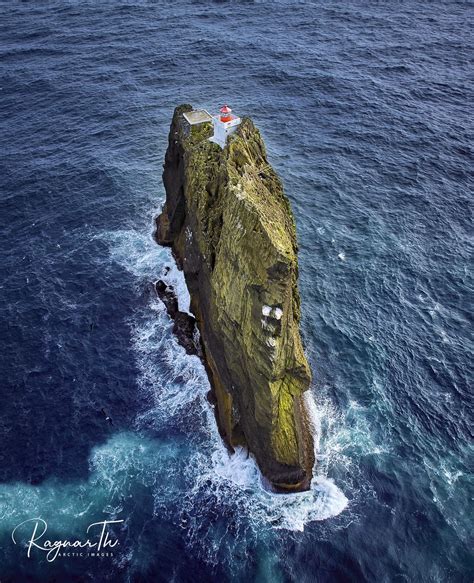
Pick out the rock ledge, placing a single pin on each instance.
(232, 232)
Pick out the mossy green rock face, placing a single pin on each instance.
(233, 233)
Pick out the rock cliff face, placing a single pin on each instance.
(232, 232)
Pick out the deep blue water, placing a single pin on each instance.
(366, 109)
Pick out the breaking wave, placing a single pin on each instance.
(176, 386)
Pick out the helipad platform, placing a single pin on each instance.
(197, 116)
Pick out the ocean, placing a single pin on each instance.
(366, 111)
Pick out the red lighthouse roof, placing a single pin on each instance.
(225, 109)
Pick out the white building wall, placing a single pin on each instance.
(223, 129)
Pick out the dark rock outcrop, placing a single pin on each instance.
(232, 232)
(184, 325)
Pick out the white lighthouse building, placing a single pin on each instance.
(224, 124)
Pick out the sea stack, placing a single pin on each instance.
(232, 232)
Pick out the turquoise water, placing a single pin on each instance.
(365, 112)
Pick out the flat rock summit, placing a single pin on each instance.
(232, 233)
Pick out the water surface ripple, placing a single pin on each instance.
(366, 110)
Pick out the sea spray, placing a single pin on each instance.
(176, 380)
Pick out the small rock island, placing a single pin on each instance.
(232, 232)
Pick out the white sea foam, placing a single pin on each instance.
(192, 477)
(174, 380)
(292, 512)
(139, 254)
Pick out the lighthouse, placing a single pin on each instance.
(224, 124)
(226, 113)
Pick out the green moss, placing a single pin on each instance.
(240, 233)
(200, 132)
(284, 436)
